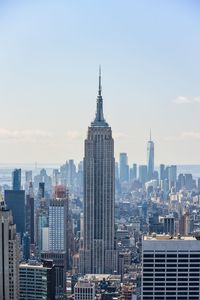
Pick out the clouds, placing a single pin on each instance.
(185, 136)
(73, 135)
(27, 136)
(187, 100)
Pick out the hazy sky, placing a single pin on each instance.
(50, 51)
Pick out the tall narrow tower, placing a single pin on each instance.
(150, 158)
(98, 254)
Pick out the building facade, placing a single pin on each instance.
(9, 256)
(37, 281)
(84, 290)
(98, 254)
(170, 268)
(58, 220)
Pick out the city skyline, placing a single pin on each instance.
(150, 78)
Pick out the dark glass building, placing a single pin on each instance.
(16, 179)
(15, 201)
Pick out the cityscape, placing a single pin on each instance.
(105, 223)
(102, 229)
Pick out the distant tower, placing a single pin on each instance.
(30, 213)
(98, 254)
(9, 256)
(124, 168)
(150, 158)
(16, 179)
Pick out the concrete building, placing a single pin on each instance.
(9, 256)
(169, 224)
(37, 280)
(84, 290)
(170, 268)
(98, 254)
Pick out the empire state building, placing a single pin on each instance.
(97, 254)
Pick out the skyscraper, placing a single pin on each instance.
(58, 220)
(30, 213)
(150, 158)
(123, 168)
(9, 256)
(98, 254)
(15, 200)
(16, 179)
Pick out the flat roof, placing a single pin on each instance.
(167, 237)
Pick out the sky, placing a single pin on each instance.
(50, 51)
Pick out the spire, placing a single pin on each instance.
(99, 93)
(150, 135)
(99, 118)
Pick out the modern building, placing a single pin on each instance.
(60, 263)
(170, 268)
(84, 290)
(58, 220)
(133, 172)
(30, 222)
(15, 201)
(172, 176)
(26, 242)
(37, 280)
(16, 179)
(98, 254)
(143, 177)
(162, 172)
(9, 256)
(123, 167)
(150, 159)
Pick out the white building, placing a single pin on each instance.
(170, 268)
(58, 219)
(84, 290)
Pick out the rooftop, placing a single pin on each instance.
(167, 237)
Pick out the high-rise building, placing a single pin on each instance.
(60, 263)
(37, 280)
(143, 174)
(16, 179)
(28, 179)
(170, 267)
(26, 242)
(133, 172)
(162, 172)
(123, 167)
(58, 220)
(150, 158)
(30, 224)
(169, 224)
(9, 256)
(84, 290)
(172, 176)
(15, 200)
(98, 254)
